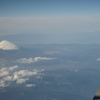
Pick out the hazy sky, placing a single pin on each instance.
(51, 21)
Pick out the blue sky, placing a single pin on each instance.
(56, 19)
(43, 8)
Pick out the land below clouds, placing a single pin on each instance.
(73, 74)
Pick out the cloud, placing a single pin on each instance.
(30, 85)
(8, 78)
(5, 71)
(76, 70)
(3, 84)
(97, 59)
(20, 81)
(8, 75)
(24, 73)
(12, 68)
(32, 60)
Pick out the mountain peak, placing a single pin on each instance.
(6, 45)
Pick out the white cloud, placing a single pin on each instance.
(76, 70)
(32, 60)
(36, 59)
(5, 71)
(97, 59)
(24, 73)
(15, 77)
(8, 78)
(7, 75)
(3, 84)
(30, 85)
(25, 60)
(20, 81)
(12, 68)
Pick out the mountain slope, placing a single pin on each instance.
(6, 45)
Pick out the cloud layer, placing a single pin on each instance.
(7, 75)
(32, 60)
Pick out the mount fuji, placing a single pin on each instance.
(6, 45)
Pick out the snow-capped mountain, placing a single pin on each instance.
(6, 45)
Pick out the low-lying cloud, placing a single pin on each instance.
(21, 80)
(30, 85)
(8, 75)
(5, 71)
(97, 59)
(32, 60)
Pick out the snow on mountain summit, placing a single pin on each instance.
(6, 45)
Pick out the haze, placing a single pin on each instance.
(50, 21)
